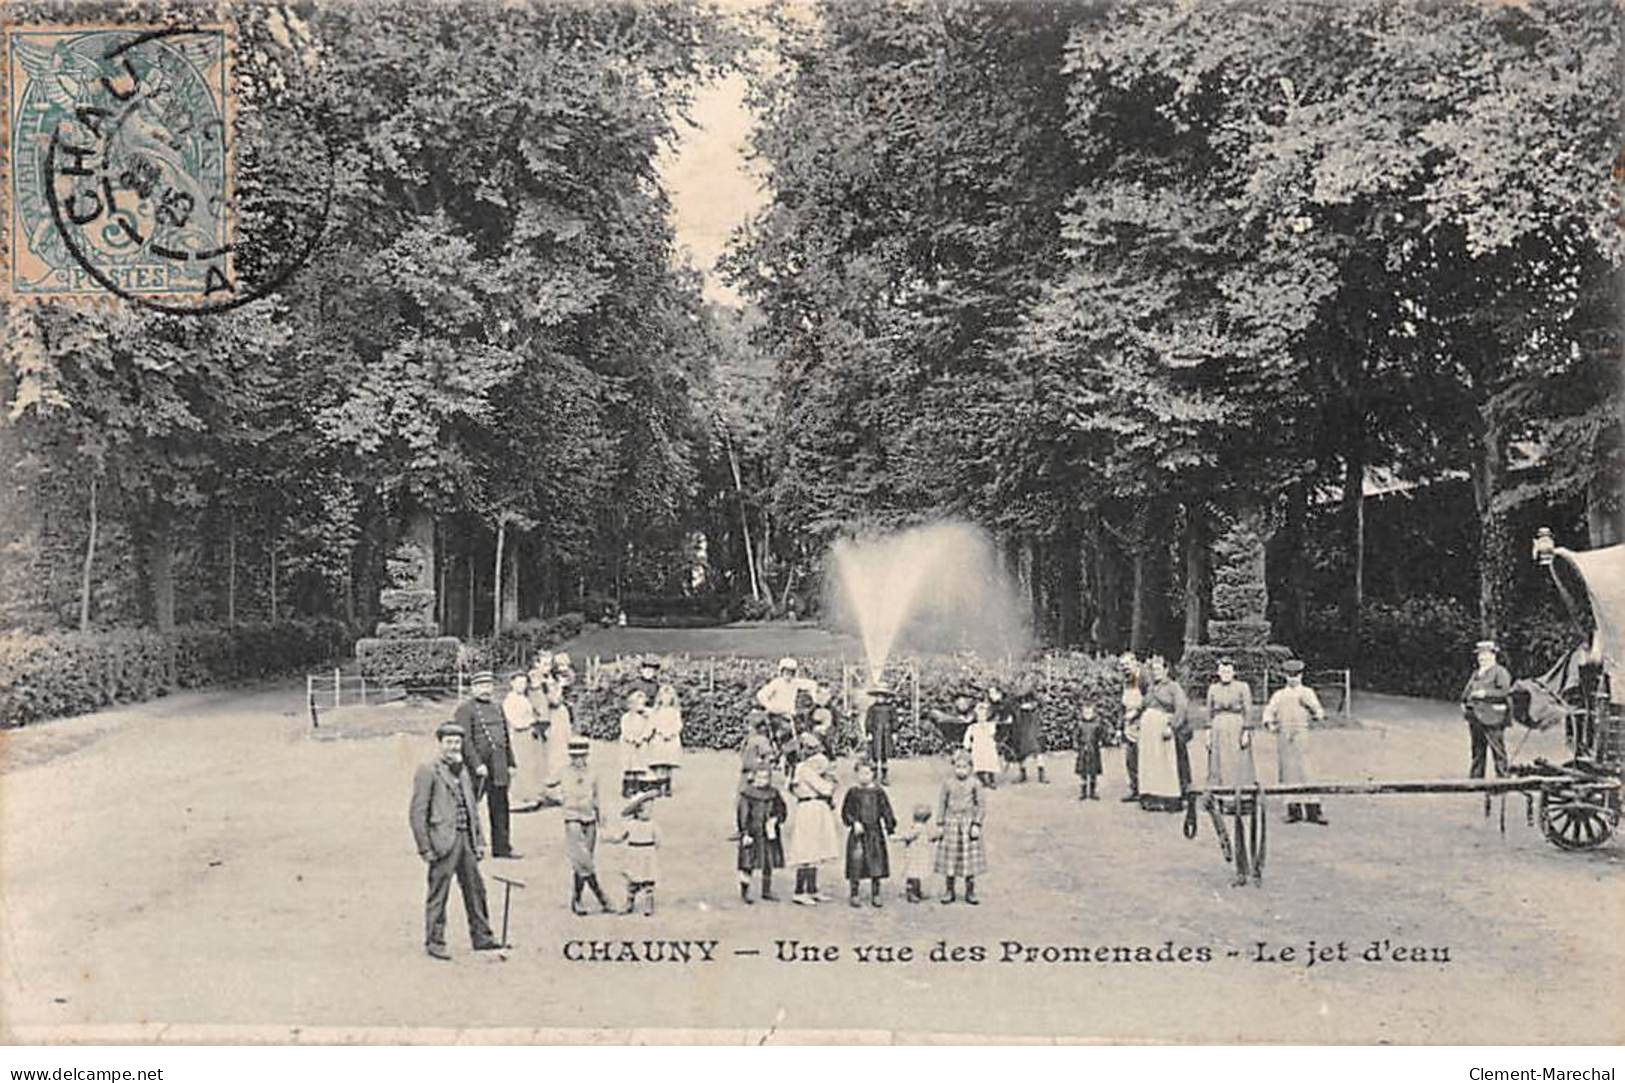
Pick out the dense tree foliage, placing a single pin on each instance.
(1116, 280)
(1196, 264)
(492, 337)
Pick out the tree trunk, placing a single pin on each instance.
(472, 594)
(1295, 606)
(510, 586)
(1353, 516)
(744, 520)
(1139, 617)
(273, 580)
(1196, 553)
(496, 585)
(231, 573)
(1494, 573)
(161, 566)
(1067, 586)
(90, 560)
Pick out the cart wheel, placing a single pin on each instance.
(1578, 819)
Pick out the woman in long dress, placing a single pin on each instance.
(554, 690)
(1163, 714)
(1230, 731)
(529, 777)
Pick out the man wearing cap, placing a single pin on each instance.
(1288, 712)
(490, 752)
(780, 698)
(1484, 703)
(445, 823)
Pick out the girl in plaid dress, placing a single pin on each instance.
(959, 818)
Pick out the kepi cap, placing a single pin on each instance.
(579, 746)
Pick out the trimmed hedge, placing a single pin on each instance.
(1424, 646)
(429, 662)
(717, 694)
(66, 673)
(517, 646)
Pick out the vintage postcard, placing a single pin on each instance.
(935, 521)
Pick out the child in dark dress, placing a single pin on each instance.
(760, 814)
(1086, 736)
(867, 813)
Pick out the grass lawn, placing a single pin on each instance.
(774, 639)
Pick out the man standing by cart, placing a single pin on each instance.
(1484, 703)
(1288, 712)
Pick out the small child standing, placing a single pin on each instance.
(666, 739)
(959, 817)
(1086, 735)
(642, 839)
(917, 854)
(578, 796)
(866, 812)
(760, 813)
(982, 745)
(879, 723)
(758, 753)
(635, 735)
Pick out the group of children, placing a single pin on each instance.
(951, 846)
(651, 741)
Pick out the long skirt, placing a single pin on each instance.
(558, 740)
(1159, 759)
(1228, 764)
(530, 777)
(866, 856)
(957, 853)
(814, 838)
(1292, 754)
(580, 840)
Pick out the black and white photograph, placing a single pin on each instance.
(813, 522)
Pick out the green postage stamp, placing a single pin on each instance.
(120, 164)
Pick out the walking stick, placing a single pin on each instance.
(1261, 822)
(507, 893)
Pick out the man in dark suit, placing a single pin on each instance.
(490, 753)
(446, 826)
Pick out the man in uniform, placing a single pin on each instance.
(1484, 703)
(490, 752)
(1288, 712)
(445, 820)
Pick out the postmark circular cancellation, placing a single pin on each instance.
(121, 165)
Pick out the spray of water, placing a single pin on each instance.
(937, 587)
